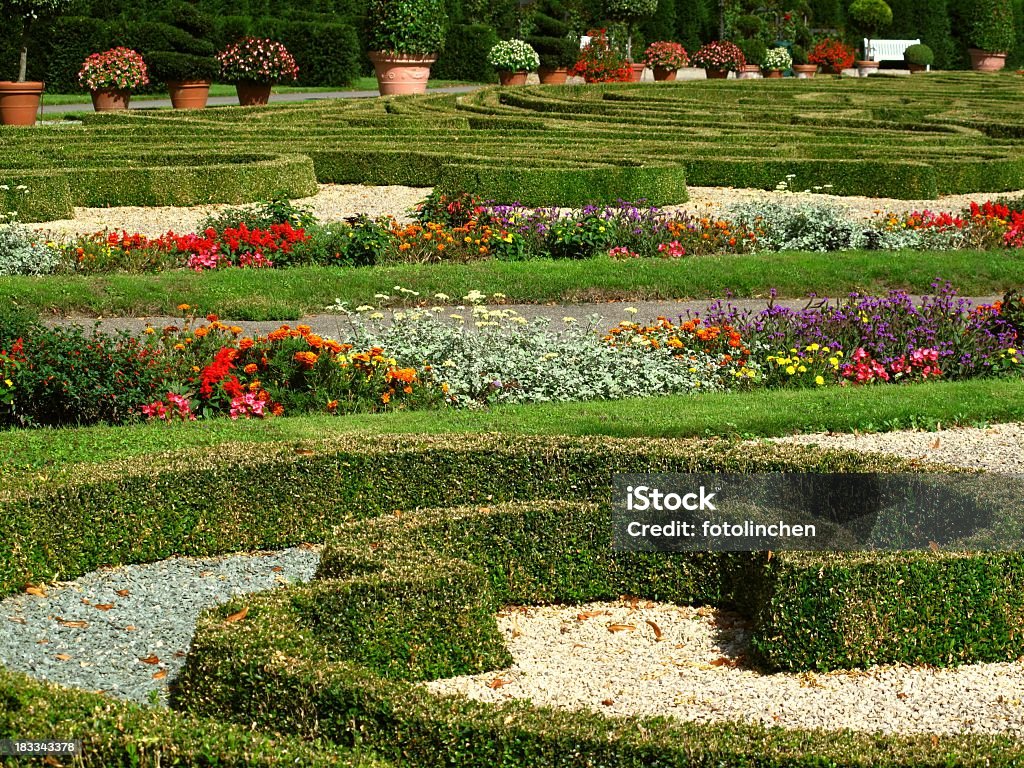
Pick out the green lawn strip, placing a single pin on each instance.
(284, 294)
(28, 455)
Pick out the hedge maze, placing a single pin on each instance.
(884, 137)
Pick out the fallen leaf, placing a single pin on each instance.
(303, 452)
(578, 645)
(608, 702)
(933, 546)
(498, 683)
(51, 760)
(73, 624)
(308, 547)
(179, 654)
(621, 628)
(62, 657)
(38, 591)
(204, 574)
(130, 628)
(590, 614)
(85, 601)
(485, 510)
(103, 606)
(656, 628)
(151, 659)
(277, 569)
(122, 593)
(901, 695)
(239, 615)
(937, 443)
(723, 661)
(17, 619)
(160, 675)
(770, 555)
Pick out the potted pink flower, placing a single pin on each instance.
(255, 64)
(111, 76)
(719, 58)
(664, 58)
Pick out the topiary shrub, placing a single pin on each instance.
(992, 26)
(920, 55)
(553, 37)
(754, 51)
(412, 27)
(464, 56)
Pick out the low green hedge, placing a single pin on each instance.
(163, 180)
(286, 665)
(117, 733)
(194, 503)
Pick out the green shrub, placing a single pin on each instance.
(464, 56)
(552, 35)
(919, 54)
(754, 51)
(327, 54)
(991, 26)
(871, 16)
(406, 26)
(168, 66)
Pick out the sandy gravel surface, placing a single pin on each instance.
(659, 659)
(335, 202)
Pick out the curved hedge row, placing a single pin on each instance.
(412, 597)
(908, 138)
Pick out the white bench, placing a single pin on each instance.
(887, 50)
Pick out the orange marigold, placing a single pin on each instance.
(306, 359)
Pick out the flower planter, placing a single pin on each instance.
(252, 94)
(985, 61)
(664, 74)
(512, 78)
(110, 99)
(189, 94)
(637, 71)
(865, 68)
(773, 74)
(716, 74)
(749, 72)
(401, 74)
(19, 102)
(803, 71)
(550, 76)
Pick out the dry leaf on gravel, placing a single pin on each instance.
(621, 628)
(656, 628)
(76, 624)
(239, 615)
(151, 659)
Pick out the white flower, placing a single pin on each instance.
(365, 308)
(631, 310)
(441, 296)
(377, 316)
(381, 296)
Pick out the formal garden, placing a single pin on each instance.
(284, 485)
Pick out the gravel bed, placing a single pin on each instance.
(999, 448)
(659, 659)
(335, 202)
(125, 631)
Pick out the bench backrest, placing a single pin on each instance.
(888, 50)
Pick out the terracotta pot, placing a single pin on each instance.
(110, 99)
(401, 74)
(252, 94)
(189, 94)
(512, 78)
(716, 74)
(773, 74)
(664, 74)
(865, 68)
(637, 71)
(986, 61)
(549, 76)
(749, 72)
(19, 102)
(804, 71)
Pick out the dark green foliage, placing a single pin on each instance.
(189, 17)
(120, 735)
(465, 54)
(870, 16)
(231, 29)
(552, 35)
(69, 42)
(327, 54)
(662, 25)
(151, 36)
(919, 54)
(168, 66)
(406, 26)
(754, 51)
(992, 26)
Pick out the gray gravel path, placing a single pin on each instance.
(125, 631)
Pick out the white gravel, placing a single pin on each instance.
(608, 657)
(999, 448)
(335, 202)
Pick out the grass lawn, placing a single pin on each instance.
(225, 89)
(284, 294)
(762, 413)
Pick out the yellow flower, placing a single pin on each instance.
(834, 362)
(819, 380)
(790, 370)
(8, 382)
(813, 348)
(149, 330)
(802, 369)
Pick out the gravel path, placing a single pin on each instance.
(660, 659)
(999, 448)
(125, 631)
(335, 202)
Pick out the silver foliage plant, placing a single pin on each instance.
(20, 254)
(488, 355)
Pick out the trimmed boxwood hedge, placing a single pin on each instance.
(115, 733)
(300, 661)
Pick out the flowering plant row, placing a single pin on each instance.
(600, 63)
(119, 68)
(513, 56)
(257, 60)
(426, 357)
(833, 54)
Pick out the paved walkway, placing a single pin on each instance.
(608, 313)
(220, 101)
